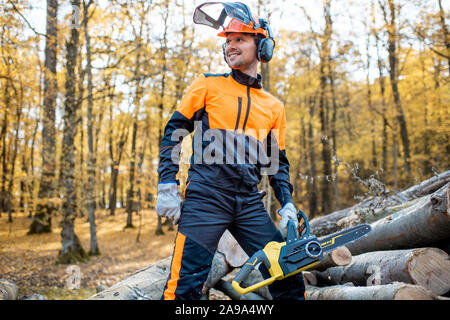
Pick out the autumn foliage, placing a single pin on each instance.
(84, 100)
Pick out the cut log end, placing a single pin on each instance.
(430, 268)
(8, 290)
(338, 257)
(412, 293)
(341, 256)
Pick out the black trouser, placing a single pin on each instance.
(206, 213)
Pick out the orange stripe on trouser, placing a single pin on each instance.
(169, 293)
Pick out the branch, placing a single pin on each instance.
(422, 37)
(26, 21)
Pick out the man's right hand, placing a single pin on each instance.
(168, 202)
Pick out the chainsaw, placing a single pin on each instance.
(300, 251)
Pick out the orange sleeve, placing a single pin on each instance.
(194, 98)
(279, 128)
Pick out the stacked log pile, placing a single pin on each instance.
(405, 256)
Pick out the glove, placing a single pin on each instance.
(168, 202)
(288, 212)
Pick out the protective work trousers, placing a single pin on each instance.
(206, 213)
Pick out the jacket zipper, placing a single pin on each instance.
(239, 113)
(248, 109)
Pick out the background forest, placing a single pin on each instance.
(86, 87)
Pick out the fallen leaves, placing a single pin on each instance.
(29, 260)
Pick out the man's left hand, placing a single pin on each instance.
(288, 212)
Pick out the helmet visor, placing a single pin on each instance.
(214, 14)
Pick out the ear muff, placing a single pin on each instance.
(224, 47)
(265, 48)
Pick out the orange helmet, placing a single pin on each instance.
(236, 25)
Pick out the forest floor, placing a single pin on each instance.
(29, 260)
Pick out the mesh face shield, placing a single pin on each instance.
(214, 14)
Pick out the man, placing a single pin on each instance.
(220, 195)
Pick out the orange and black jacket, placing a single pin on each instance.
(233, 105)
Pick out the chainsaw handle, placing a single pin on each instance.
(252, 263)
(302, 215)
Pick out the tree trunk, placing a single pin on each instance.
(423, 223)
(3, 155)
(334, 178)
(395, 291)
(383, 110)
(14, 155)
(159, 230)
(115, 162)
(383, 113)
(71, 250)
(148, 283)
(426, 267)
(45, 206)
(92, 161)
(331, 223)
(323, 112)
(310, 183)
(131, 194)
(113, 189)
(395, 157)
(8, 290)
(394, 75)
(370, 104)
(444, 32)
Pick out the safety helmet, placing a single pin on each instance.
(236, 25)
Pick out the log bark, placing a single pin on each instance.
(310, 278)
(394, 291)
(374, 206)
(148, 283)
(8, 290)
(426, 222)
(371, 215)
(219, 269)
(413, 273)
(426, 267)
(230, 248)
(144, 284)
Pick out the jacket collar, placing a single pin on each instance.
(247, 80)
